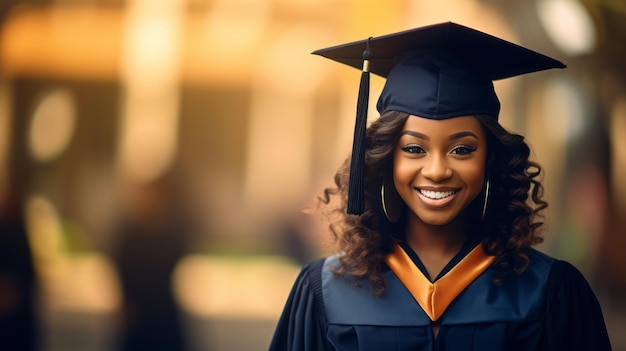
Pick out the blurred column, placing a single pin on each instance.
(5, 135)
(150, 74)
(279, 155)
(613, 259)
(151, 233)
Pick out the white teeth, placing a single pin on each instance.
(436, 194)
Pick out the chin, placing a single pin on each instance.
(436, 219)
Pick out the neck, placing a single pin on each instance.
(446, 237)
(436, 245)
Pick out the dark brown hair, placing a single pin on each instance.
(508, 229)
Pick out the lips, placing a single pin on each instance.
(437, 197)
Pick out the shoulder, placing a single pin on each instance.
(567, 281)
(560, 273)
(303, 322)
(312, 269)
(541, 260)
(573, 310)
(565, 285)
(306, 294)
(538, 270)
(563, 270)
(309, 279)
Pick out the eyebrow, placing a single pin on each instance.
(416, 134)
(454, 136)
(463, 134)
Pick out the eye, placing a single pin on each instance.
(463, 150)
(413, 149)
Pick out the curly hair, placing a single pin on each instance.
(508, 229)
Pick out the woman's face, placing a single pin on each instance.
(439, 166)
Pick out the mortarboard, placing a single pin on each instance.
(439, 71)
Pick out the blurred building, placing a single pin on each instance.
(208, 125)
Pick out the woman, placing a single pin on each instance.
(442, 211)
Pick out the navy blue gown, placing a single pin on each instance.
(550, 306)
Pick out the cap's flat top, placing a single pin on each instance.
(502, 59)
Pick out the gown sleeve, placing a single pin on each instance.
(302, 325)
(574, 319)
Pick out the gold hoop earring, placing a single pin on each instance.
(486, 199)
(392, 204)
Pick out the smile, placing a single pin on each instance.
(436, 195)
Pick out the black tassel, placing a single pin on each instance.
(356, 187)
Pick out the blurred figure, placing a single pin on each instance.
(18, 326)
(151, 240)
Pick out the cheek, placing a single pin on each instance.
(475, 179)
(403, 171)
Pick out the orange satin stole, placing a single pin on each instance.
(435, 297)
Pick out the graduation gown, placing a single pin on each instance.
(550, 306)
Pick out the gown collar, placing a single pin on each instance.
(435, 297)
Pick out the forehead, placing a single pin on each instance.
(445, 126)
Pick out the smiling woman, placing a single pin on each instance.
(441, 258)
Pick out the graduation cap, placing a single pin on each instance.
(439, 71)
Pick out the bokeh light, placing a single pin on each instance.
(52, 125)
(568, 24)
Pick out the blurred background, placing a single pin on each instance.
(155, 156)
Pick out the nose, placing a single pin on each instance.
(436, 169)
